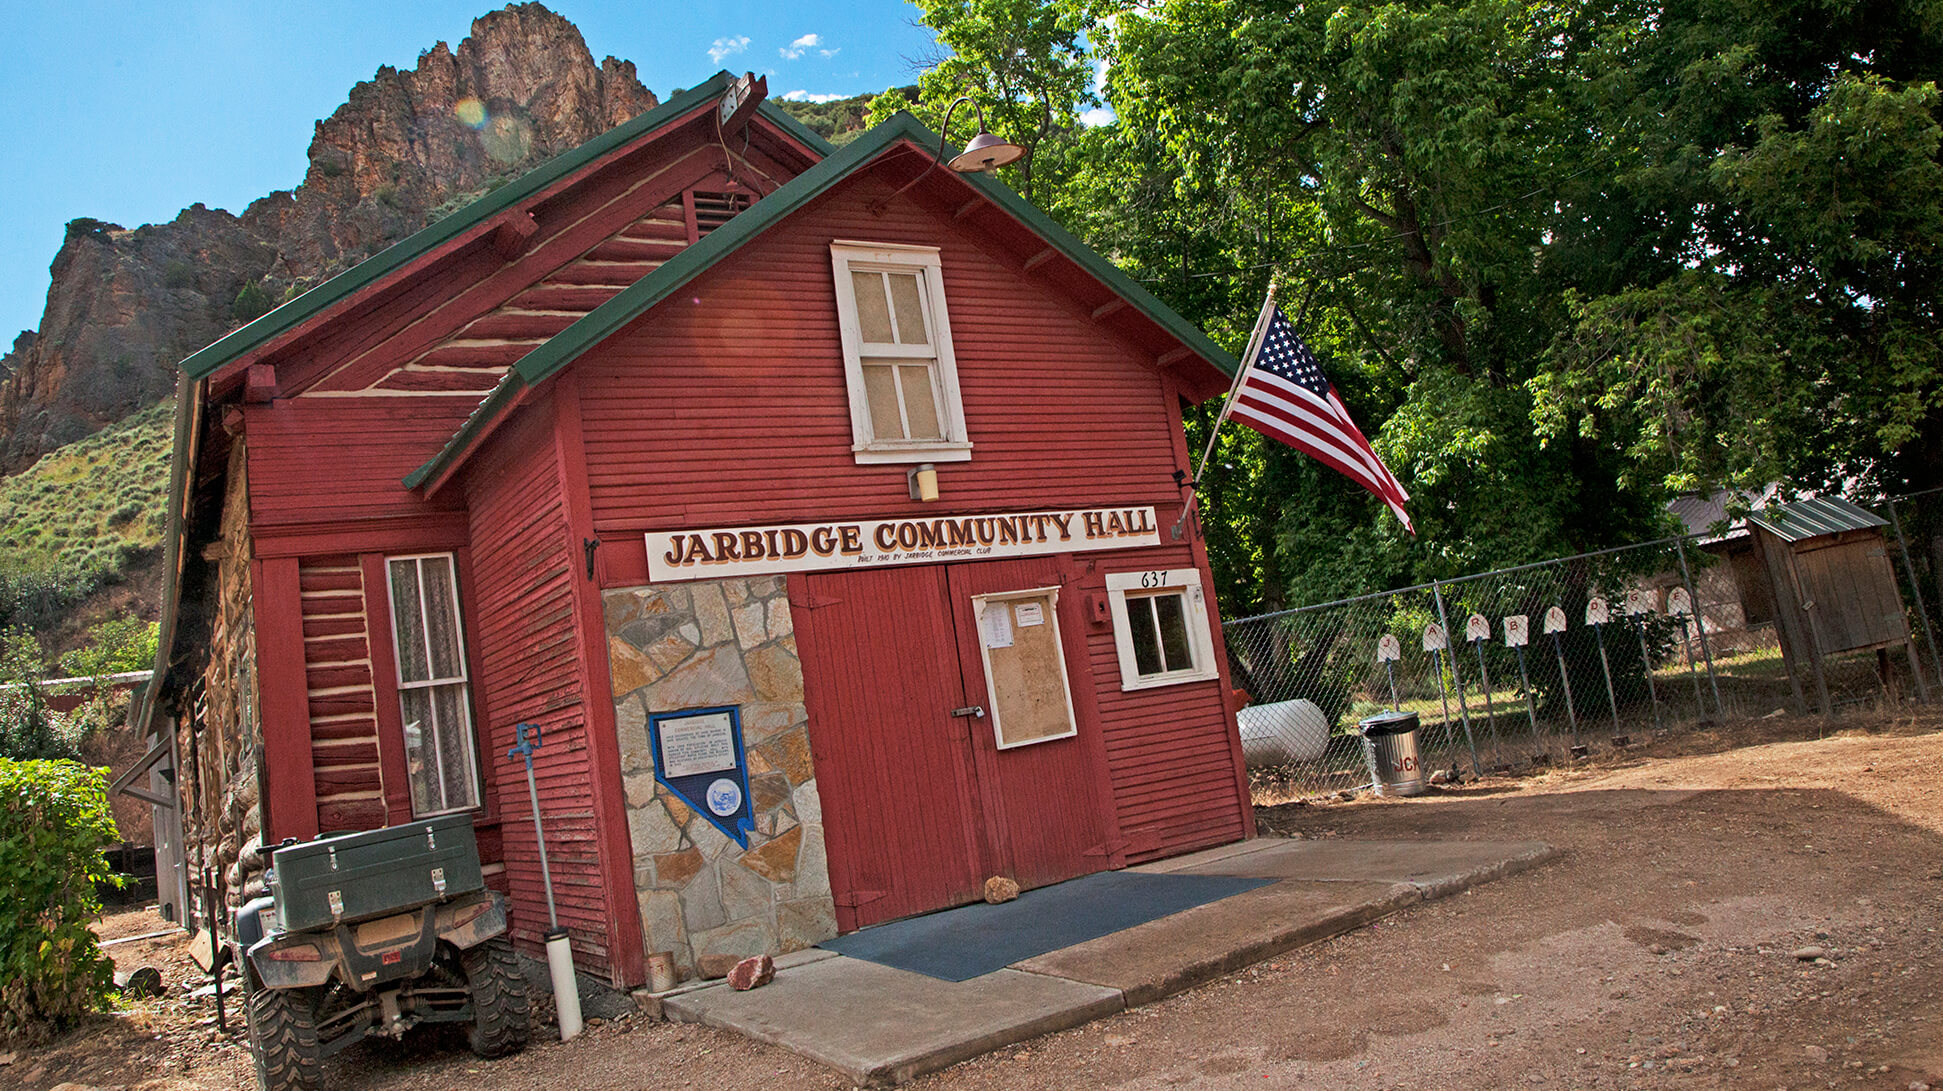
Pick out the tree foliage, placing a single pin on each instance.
(1563, 261)
(54, 826)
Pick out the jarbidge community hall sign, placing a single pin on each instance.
(870, 543)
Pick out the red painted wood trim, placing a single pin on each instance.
(374, 356)
(393, 775)
(1170, 387)
(424, 533)
(626, 945)
(260, 383)
(307, 331)
(491, 807)
(290, 791)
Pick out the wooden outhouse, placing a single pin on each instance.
(820, 506)
(1835, 589)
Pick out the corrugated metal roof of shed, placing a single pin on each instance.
(1815, 517)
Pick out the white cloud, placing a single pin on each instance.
(829, 52)
(805, 96)
(801, 46)
(1097, 116)
(724, 47)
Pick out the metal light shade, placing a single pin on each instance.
(984, 153)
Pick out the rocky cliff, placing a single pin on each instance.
(408, 146)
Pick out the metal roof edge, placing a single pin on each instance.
(1814, 517)
(1096, 264)
(206, 360)
(188, 407)
(477, 424)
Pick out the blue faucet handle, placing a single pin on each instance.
(523, 746)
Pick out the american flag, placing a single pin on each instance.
(1283, 395)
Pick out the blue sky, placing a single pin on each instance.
(129, 112)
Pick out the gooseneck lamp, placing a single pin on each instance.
(984, 154)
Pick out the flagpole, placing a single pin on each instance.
(1247, 365)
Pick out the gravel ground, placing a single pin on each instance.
(1742, 908)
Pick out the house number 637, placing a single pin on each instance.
(1153, 579)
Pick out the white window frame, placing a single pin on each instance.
(463, 679)
(898, 257)
(1152, 583)
(1051, 594)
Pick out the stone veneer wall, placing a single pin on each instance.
(222, 831)
(696, 645)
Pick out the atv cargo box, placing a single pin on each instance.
(355, 876)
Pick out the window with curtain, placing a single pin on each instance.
(434, 694)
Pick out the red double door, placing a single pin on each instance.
(920, 802)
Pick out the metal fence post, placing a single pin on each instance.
(1463, 710)
(1700, 622)
(1922, 609)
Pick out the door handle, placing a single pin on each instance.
(974, 711)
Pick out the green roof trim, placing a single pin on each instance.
(480, 419)
(207, 360)
(607, 319)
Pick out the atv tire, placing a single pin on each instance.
(502, 1016)
(283, 1037)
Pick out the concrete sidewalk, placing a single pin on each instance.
(883, 1026)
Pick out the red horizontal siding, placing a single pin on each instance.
(530, 671)
(727, 404)
(332, 459)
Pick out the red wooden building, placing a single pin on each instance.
(830, 533)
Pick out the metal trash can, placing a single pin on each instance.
(1390, 748)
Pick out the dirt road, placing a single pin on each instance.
(1667, 948)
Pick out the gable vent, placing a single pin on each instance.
(712, 210)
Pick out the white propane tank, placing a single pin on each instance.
(1282, 732)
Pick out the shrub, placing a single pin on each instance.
(54, 824)
(253, 301)
(28, 728)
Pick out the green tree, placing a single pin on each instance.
(1561, 260)
(1024, 62)
(28, 728)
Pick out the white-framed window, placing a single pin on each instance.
(1160, 627)
(897, 358)
(434, 693)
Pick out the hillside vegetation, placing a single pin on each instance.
(83, 517)
(842, 120)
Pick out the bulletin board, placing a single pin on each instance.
(1025, 666)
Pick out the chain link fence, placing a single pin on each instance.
(1544, 663)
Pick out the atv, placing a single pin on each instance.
(373, 933)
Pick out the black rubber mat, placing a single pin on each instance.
(973, 940)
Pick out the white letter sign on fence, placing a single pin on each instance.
(1639, 602)
(1434, 640)
(1596, 611)
(1478, 627)
(1517, 631)
(872, 543)
(1388, 650)
(1554, 619)
(1679, 602)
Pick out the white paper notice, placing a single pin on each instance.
(697, 744)
(1030, 614)
(998, 626)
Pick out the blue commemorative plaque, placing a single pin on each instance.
(698, 756)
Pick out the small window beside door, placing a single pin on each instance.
(434, 694)
(897, 356)
(1160, 627)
